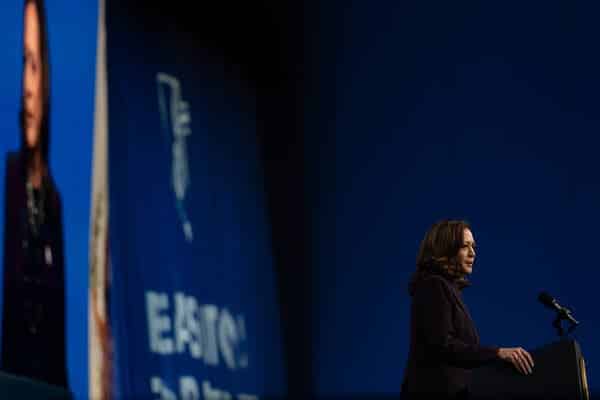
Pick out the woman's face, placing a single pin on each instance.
(466, 254)
(32, 77)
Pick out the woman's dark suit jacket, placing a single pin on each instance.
(33, 312)
(444, 344)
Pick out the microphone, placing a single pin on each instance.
(551, 303)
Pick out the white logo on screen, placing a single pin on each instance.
(175, 123)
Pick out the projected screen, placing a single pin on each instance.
(47, 73)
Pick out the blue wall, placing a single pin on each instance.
(475, 110)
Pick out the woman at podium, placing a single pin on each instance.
(33, 323)
(444, 343)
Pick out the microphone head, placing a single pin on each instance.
(546, 300)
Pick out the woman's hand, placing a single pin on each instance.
(518, 357)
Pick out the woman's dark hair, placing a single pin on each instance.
(438, 251)
(45, 65)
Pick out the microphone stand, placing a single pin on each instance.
(563, 315)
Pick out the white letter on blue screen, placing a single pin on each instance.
(157, 323)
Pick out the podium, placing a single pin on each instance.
(559, 374)
(19, 387)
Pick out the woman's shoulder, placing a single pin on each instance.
(433, 282)
(435, 279)
(13, 173)
(13, 162)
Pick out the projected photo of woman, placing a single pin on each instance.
(33, 326)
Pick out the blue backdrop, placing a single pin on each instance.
(188, 225)
(476, 110)
(72, 47)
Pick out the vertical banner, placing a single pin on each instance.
(194, 305)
